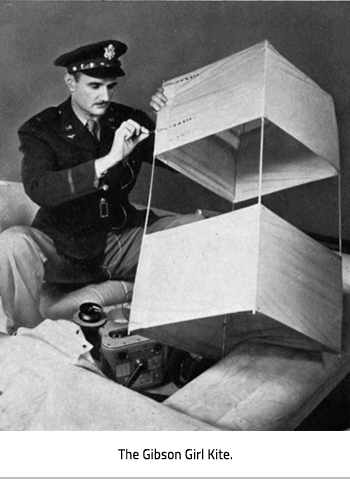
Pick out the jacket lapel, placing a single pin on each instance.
(72, 129)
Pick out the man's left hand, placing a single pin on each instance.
(158, 100)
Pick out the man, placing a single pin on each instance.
(81, 160)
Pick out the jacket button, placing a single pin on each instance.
(105, 187)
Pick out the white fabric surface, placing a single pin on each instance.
(233, 93)
(48, 381)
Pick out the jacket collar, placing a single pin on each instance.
(72, 129)
(75, 132)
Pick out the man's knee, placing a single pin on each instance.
(179, 220)
(173, 221)
(15, 241)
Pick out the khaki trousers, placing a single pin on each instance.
(28, 257)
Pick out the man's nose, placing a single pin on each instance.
(104, 94)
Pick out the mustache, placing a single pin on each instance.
(102, 103)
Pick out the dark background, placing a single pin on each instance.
(167, 39)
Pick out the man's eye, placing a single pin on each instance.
(112, 86)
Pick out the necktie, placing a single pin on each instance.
(92, 126)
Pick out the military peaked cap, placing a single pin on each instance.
(95, 60)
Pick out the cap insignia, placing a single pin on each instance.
(109, 52)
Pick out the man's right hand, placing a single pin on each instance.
(127, 136)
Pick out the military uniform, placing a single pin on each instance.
(86, 230)
(58, 174)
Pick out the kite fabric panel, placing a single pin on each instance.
(247, 272)
(245, 126)
(205, 128)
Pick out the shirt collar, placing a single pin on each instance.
(83, 119)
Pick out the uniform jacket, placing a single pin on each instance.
(58, 174)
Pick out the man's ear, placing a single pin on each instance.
(70, 81)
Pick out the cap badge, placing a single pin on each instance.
(109, 52)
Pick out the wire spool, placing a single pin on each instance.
(90, 318)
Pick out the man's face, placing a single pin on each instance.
(90, 95)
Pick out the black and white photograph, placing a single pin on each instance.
(175, 229)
